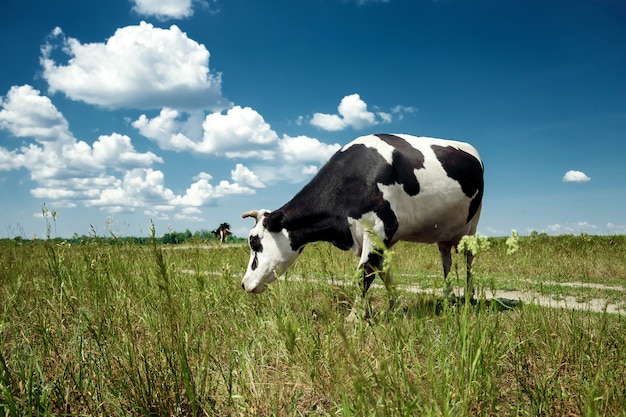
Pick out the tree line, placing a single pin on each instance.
(171, 238)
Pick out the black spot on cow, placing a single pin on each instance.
(466, 170)
(406, 159)
(257, 247)
(255, 243)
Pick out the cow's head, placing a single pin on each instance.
(270, 250)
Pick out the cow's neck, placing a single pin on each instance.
(314, 226)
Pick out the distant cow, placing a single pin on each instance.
(400, 187)
(222, 232)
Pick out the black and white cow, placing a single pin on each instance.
(222, 232)
(401, 187)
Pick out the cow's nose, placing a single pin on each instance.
(243, 287)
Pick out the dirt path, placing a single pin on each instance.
(526, 297)
(509, 297)
(533, 297)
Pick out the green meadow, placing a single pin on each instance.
(115, 327)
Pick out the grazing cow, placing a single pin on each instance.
(400, 187)
(222, 232)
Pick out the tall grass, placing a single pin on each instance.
(125, 329)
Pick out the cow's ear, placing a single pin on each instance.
(274, 221)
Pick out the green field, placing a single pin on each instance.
(112, 327)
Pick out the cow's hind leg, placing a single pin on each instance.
(445, 249)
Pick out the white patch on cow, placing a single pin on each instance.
(439, 211)
(374, 142)
(361, 230)
(272, 261)
(422, 143)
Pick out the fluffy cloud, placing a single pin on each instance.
(164, 9)
(306, 149)
(579, 227)
(203, 193)
(116, 151)
(10, 160)
(26, 113)
(166, 130)
(139, 66)
(138, 188)
(190, 214)
(70, 171)
(241, 132)
(236, 132)
(69, 191)
(575, 176)
(352, 113)
(243, 175)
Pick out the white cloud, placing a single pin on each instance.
(164, 9)
(187, 213)
(10, 160)
(116, 151)
(68, 191)
(139, 67)
(202, 193)
(352, 113)
(139, 187)
(70, 171)
(575, 176)
(67, 170)
(244, 176)
(166, 130)
(616, 229)
(399, 111)
(239, 130)
(26, 113)
(77, 159)
(306, 149)
(385, 117)
(573, 228)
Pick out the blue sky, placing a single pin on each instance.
(187, 113)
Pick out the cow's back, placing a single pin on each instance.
(405, 187)
(438, 190)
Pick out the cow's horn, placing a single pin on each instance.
(252, 213)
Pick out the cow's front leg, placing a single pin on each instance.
(370, 270)
(361, 306)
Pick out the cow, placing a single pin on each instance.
(398, 186)
(222, 232)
